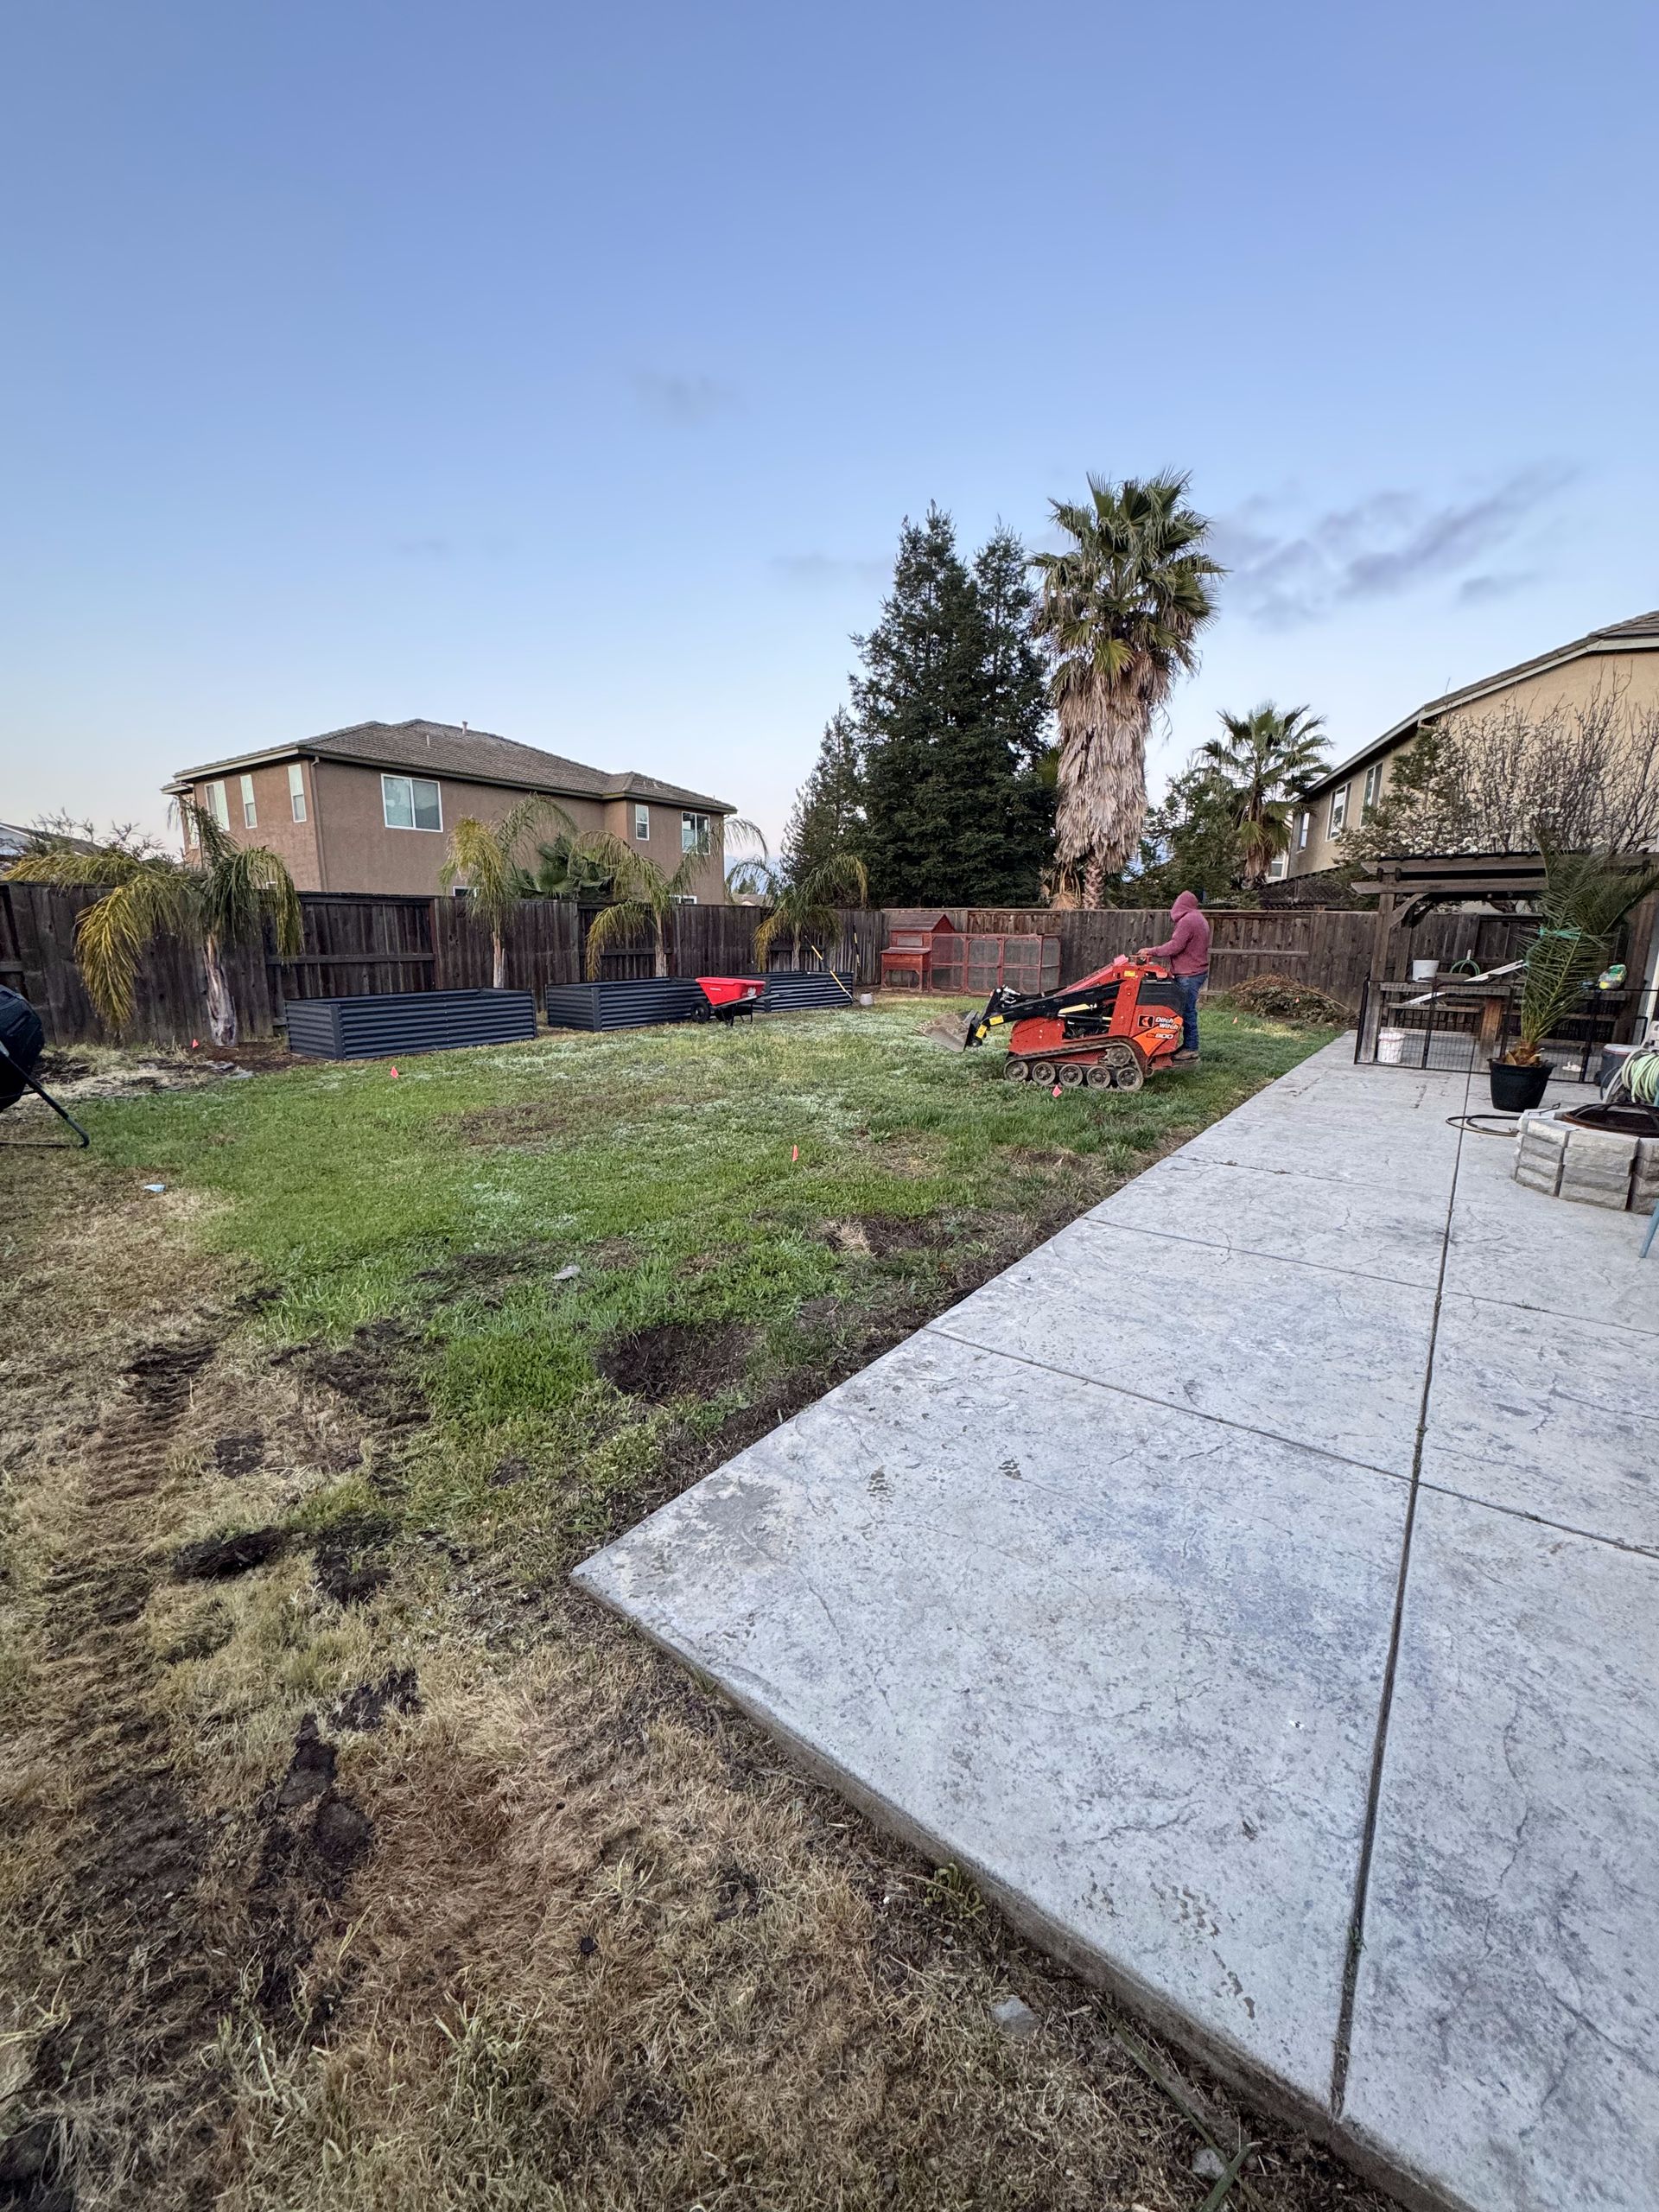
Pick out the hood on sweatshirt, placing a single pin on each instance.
(1186, 902)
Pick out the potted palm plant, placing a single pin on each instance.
(1586, 895)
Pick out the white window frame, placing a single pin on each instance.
(1278, 867)
(296, 791)
(1304, 828)
(250, 803)
(1339, 813)
(685, 898)
(641, 822)
(218, 805)
(696, 834)
(410, 784)
(1373, 790)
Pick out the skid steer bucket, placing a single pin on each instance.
(952, 1031)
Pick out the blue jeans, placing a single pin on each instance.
(1189, 987)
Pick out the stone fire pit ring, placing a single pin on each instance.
(1597, 1166)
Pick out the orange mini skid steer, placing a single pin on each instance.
(1110, 1030)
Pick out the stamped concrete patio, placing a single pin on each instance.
(1257, 1589)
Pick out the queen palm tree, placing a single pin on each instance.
(486, 853)
(642, 896)
(643, 899)
(1266, 760)
(221, 901)
(1120, 608)
(806, 908)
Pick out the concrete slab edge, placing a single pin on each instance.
(1265, 2090)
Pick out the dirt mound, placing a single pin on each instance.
(366, 1706)
(310, 1771)
(214, 1558)
(160, 1376)
(349, 1559)
(677, 1359)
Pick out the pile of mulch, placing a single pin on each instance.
(1280, 1000)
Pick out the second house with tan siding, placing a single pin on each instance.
(370, 807)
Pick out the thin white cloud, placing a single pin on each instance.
(1282, 576)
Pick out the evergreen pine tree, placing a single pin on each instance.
(828, 815)
(950, 713)
(1017, 706)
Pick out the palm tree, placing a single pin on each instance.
(1266, 760)
(221, 902)
(806, 907)
(1120, 608)
(1586, 896)
(485, 854)
(642, 898)
(565, 871)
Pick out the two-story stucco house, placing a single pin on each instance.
(1619, 664)
(370, 807)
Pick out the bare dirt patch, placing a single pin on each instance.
(677, 1359)
(376, 1373)
(214, 1558)
(527, 1125)
(881, 1235)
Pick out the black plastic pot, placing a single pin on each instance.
(1516, 1089)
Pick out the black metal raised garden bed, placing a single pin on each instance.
(408, 1021)
(626, 1002)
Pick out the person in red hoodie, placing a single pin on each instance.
(1188, 955)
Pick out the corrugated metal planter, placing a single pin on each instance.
(408, 1021)
(626, 1002)
(794, 988)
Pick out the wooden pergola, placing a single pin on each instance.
(1408, 887)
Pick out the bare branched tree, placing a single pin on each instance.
(1581, 777)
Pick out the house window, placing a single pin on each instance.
(1338, 809)
(410, 803)
(250, 811)
(694, 833)
(296, 791)
(1302, 829)
(217, 807)
(642, 824)
(1373, 788)
(685, 898)
(1277, 866)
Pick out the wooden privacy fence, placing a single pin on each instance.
(1329, 948)
(362, 945)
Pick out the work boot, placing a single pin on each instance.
(1184, 1060)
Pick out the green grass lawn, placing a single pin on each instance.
(752, 1212)
(363, 1864)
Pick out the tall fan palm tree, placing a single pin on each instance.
(222, 901)
(486, 853)
(1120, 609)
(1265, 760)
(805, 911)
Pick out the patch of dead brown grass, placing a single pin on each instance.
(552, 1927)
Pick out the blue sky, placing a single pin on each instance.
(570, 370)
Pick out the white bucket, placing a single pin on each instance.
(1424, 971)
(1391, 1046)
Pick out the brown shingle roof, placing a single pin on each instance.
(1640, 630)
(470, 755)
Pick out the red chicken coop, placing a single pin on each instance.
(936, 955)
